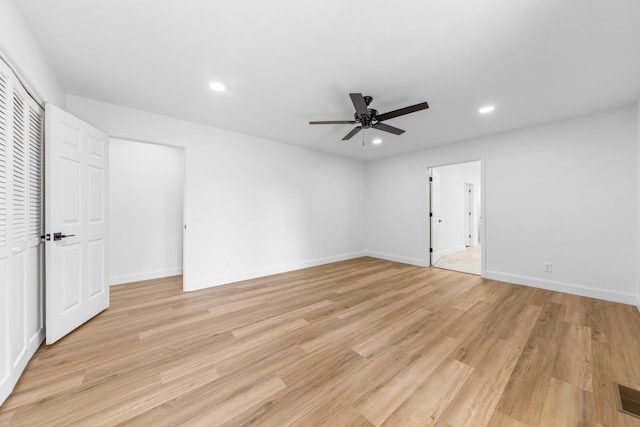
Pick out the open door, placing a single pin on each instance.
(76, 203)
(436, 219)
(469, 214)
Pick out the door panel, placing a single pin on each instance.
(34, 295)
(468, 214)
(19, 283)
(35, 256)
(436, 220)
(5, 358)
(68, 257)
(77, 201)
(96, 268)
(96, 198)
(18, 306)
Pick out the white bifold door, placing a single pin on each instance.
(21, 248)
(76, 200)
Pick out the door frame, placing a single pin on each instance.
(482, 229)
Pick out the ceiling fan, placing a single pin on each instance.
(367, 117)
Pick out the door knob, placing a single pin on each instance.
(439, 220)
(60, 236)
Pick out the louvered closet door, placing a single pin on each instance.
(6, 117)
(19, 176)
(35, 245)
(21, 249)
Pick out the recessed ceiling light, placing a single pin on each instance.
(377, 141)
(486, 109)
(217, 86)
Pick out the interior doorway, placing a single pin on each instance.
(146, 211)
(455, 242)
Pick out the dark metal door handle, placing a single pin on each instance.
(60, 236)
(439, 220)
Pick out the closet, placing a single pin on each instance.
(21, 224)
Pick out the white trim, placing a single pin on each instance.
(34, 94)
(638, 302)
(147, 275)
(238, 277)
(569, 288)
(397, 258)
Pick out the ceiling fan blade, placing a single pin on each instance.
(353, 132)
(359, 104)
(387, 128)
(338, 122)
(402, 111)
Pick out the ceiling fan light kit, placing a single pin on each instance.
(367, 118)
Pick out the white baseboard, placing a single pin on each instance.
(145, 275)
(638, 302)
(396, 258)
(569, 288)
(195, 285)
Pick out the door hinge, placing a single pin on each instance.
(430, 178)
(430, 214)
(430, 249)
(45, 237)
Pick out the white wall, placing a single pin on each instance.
(563, 192)
(253, 206)
(19, 46)
(145, 210)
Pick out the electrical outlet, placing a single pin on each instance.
(227, 263)
(547, 267)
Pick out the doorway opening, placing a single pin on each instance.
(147, 232)
(455, 240)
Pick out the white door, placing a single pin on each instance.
(436, 219)
(469, 214)
(76, 202)
(19, 231)
(6, 247)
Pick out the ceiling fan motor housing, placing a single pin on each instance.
(366, 121)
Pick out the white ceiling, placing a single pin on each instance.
(286, 62)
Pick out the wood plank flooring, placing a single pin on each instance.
(364, 342)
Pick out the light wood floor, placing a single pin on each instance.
(356, 343)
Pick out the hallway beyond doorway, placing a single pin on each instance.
(465, 261)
